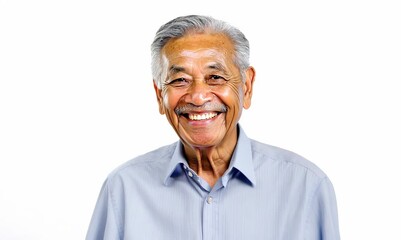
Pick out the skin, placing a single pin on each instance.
(201, 76)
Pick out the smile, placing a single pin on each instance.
(203, 116)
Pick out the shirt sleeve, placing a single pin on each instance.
(103, 225)
(322, 223)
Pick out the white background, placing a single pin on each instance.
(76, 101)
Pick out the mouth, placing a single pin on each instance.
(202, 113)
(200, 116)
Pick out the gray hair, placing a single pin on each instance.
(183, 25)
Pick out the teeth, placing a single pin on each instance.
(203, 116)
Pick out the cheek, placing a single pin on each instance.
(230, 94)
(166, 102)
(170, 99)
(167, 98)
(169, 104)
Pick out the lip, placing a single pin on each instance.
(201, 118)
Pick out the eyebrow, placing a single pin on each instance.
(174, 69)
(217, 66)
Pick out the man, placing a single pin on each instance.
(215, 183)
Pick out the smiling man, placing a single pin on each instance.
(215, 183)
(202, 94)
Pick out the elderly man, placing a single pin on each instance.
(215, 183)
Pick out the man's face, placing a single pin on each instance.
(202, 91)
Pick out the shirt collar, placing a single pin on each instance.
(174, 168)
(241, 161)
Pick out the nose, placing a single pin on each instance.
(199, 93)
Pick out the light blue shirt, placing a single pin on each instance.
(266, 193)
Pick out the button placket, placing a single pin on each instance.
(210, 214)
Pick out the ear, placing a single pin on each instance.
(248, 86)
(159, 97)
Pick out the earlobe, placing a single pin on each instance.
(248, 87)
(159, 98)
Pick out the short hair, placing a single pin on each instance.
(183, 25)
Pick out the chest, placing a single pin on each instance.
(238, 211)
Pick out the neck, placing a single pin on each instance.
(210, 163)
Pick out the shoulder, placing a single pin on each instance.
(153, 161)
(278, 156)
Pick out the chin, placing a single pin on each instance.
(203, 141)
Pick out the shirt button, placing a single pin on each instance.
(190, 174)
(209, 200)
(185, 167)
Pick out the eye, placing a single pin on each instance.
(216, 80)
(178, 82)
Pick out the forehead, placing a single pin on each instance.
(195, 45)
